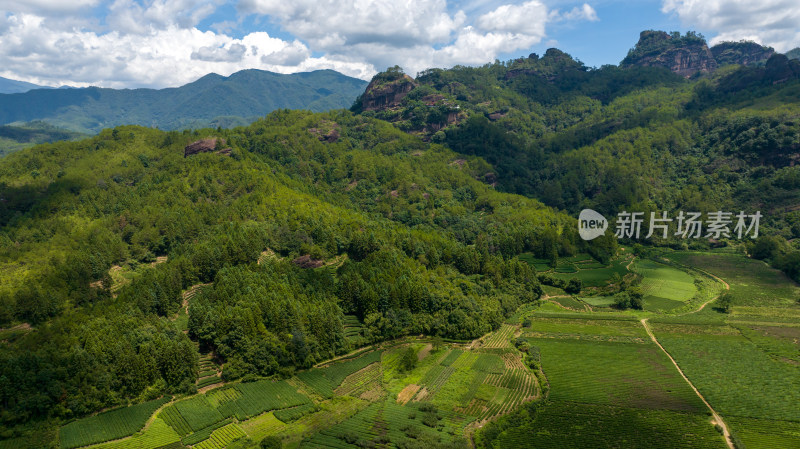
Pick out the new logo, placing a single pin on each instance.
(591, 224)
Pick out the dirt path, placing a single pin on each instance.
(727, 287)
(717, 418)
(715, 277)
(550, 300)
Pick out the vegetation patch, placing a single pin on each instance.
(108, 425)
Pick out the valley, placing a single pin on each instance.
(576, 372)
(409, 272)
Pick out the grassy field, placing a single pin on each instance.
(565, 424)
(608, 362)
(665, 288)
(752, 282)
(736, 376)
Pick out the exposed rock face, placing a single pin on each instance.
(383, 94)
(326, 132)
(742, 53)
(206, 146)
(779, 69)
(682, 55)
(307, 262)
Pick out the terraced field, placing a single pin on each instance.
(109, 425)
(608, 385)
(366, 399)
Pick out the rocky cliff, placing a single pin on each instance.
(684, 55)
(386, 90)
(742, 53)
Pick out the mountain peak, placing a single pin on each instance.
(682, 54)
(741, 53)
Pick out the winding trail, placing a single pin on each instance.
(727, 287)
(717, 418)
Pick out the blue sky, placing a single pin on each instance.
(162, 43)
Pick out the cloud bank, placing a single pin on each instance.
(159, 43)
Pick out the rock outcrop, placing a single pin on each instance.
(385, 92)
(206, 146)
(327, 131)
(684, 55)
(741, 53)
(306, 261)
(780, 68)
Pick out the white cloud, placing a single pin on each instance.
(130, 16)
(157, 43)
(769, 22)
(169, 57)
(416, 35)
(291, 54)
(351, 22)
(231, 53)
(585, 12)
(46, 7)
(528, 18)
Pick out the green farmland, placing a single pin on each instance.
(369, 398)
(571, 371)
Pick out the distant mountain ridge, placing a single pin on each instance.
(9, 86)
(212, 100)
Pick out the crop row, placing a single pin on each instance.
(222, 437)
(360, 380)
(109, 425)
(451, 357)
(157, 436)
(288, 415)
(500, 338)
(203, 434)
(567, 424)
(324, 380)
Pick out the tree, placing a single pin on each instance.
(636, 298)
(408, 360)
(574, 286)
(622, 301)
(271, 442)
(724, 303)
(766, 248)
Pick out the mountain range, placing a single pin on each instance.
(212, 100)
(9, 86)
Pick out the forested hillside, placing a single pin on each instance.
(100, 236)
(13, 138)
(611, 138)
